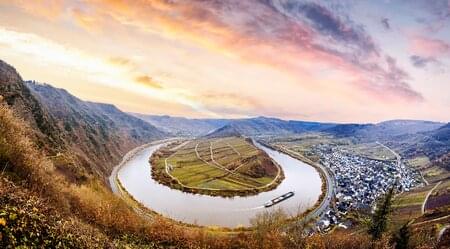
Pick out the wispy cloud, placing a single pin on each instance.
(426, 46)
(422, 62)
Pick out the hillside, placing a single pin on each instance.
(246, 126)
(442, 134)
(99, 133)
(383, 131)
(347, 130)
(224, 131)
(433, 144)
(181, 126)
(275, 126)
(25, 104)
(84, 138)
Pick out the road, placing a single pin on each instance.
(399, 158)
(331, 186)
(441, 232)
(399, 161)
(233, 172)
(428, 195)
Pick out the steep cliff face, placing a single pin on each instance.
(84, 138)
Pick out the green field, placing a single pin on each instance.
(304, 143)
(219, 164)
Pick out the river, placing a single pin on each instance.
(304, 180)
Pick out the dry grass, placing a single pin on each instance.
(88, 205)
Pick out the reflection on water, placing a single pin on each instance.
(301, 178)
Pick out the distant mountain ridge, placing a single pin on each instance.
(180, 126)
(274, 126)
(247, 126)
(383, 130)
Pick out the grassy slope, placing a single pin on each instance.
(408, 206)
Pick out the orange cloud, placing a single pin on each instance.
(86, 20)
(148, 81)
(122, 62)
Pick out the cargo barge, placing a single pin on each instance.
(279, 199)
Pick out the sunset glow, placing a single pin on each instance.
(306, 60)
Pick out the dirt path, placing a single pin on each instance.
(234, 171)
(441, 232)
(234, 149)
(430, 221)
(428, 195)
(231, 147)
(180, 146)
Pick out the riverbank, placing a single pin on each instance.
(149, 214)
(327, 185)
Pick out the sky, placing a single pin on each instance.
(339, 61)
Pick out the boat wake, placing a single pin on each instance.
(249, 209)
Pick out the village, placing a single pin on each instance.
(358, 182)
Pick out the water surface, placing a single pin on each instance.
(304, 180)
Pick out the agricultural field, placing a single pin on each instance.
(440, 197)
(217, 166)
(370, 150)
(408, 205)
(419, 162)
(435, 173)
(414, 205)
(305, 143)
